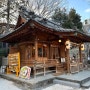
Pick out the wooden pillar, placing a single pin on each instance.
(68, 60)
(59, 51)
(80, 53)
(36, 49)
(48, 50)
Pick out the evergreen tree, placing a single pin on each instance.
(70, 20)
(60, 16)
(75, 18)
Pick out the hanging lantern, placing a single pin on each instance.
(67, 43)
(82, 47)
(59, 40)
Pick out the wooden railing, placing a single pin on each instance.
(43, 67)
(76, 67)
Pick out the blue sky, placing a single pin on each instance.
(82, 7)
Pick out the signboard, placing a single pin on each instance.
(14, 63)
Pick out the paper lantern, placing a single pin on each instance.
(67, 43)
(82, 47)
(59, 40)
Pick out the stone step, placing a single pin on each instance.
(85, 80)
(86, 84)
(68, 83)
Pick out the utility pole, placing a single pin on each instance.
(8, 14)
(8, 22)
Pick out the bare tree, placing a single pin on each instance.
(44, 8)
(9, 11)
(8, 14)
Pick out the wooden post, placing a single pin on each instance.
(36, 55)
(80, 53)
(68, 60)
(36, 49)
(19, 61)
(80, 60)
(48, 50)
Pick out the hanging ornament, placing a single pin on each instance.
(82, 47)
(67, 43)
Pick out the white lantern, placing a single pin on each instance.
(67, 43)
(59, 41)
(82, 47)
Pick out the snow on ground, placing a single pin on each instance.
(62, 87)
(7, 85)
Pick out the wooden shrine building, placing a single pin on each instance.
(45, 46)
